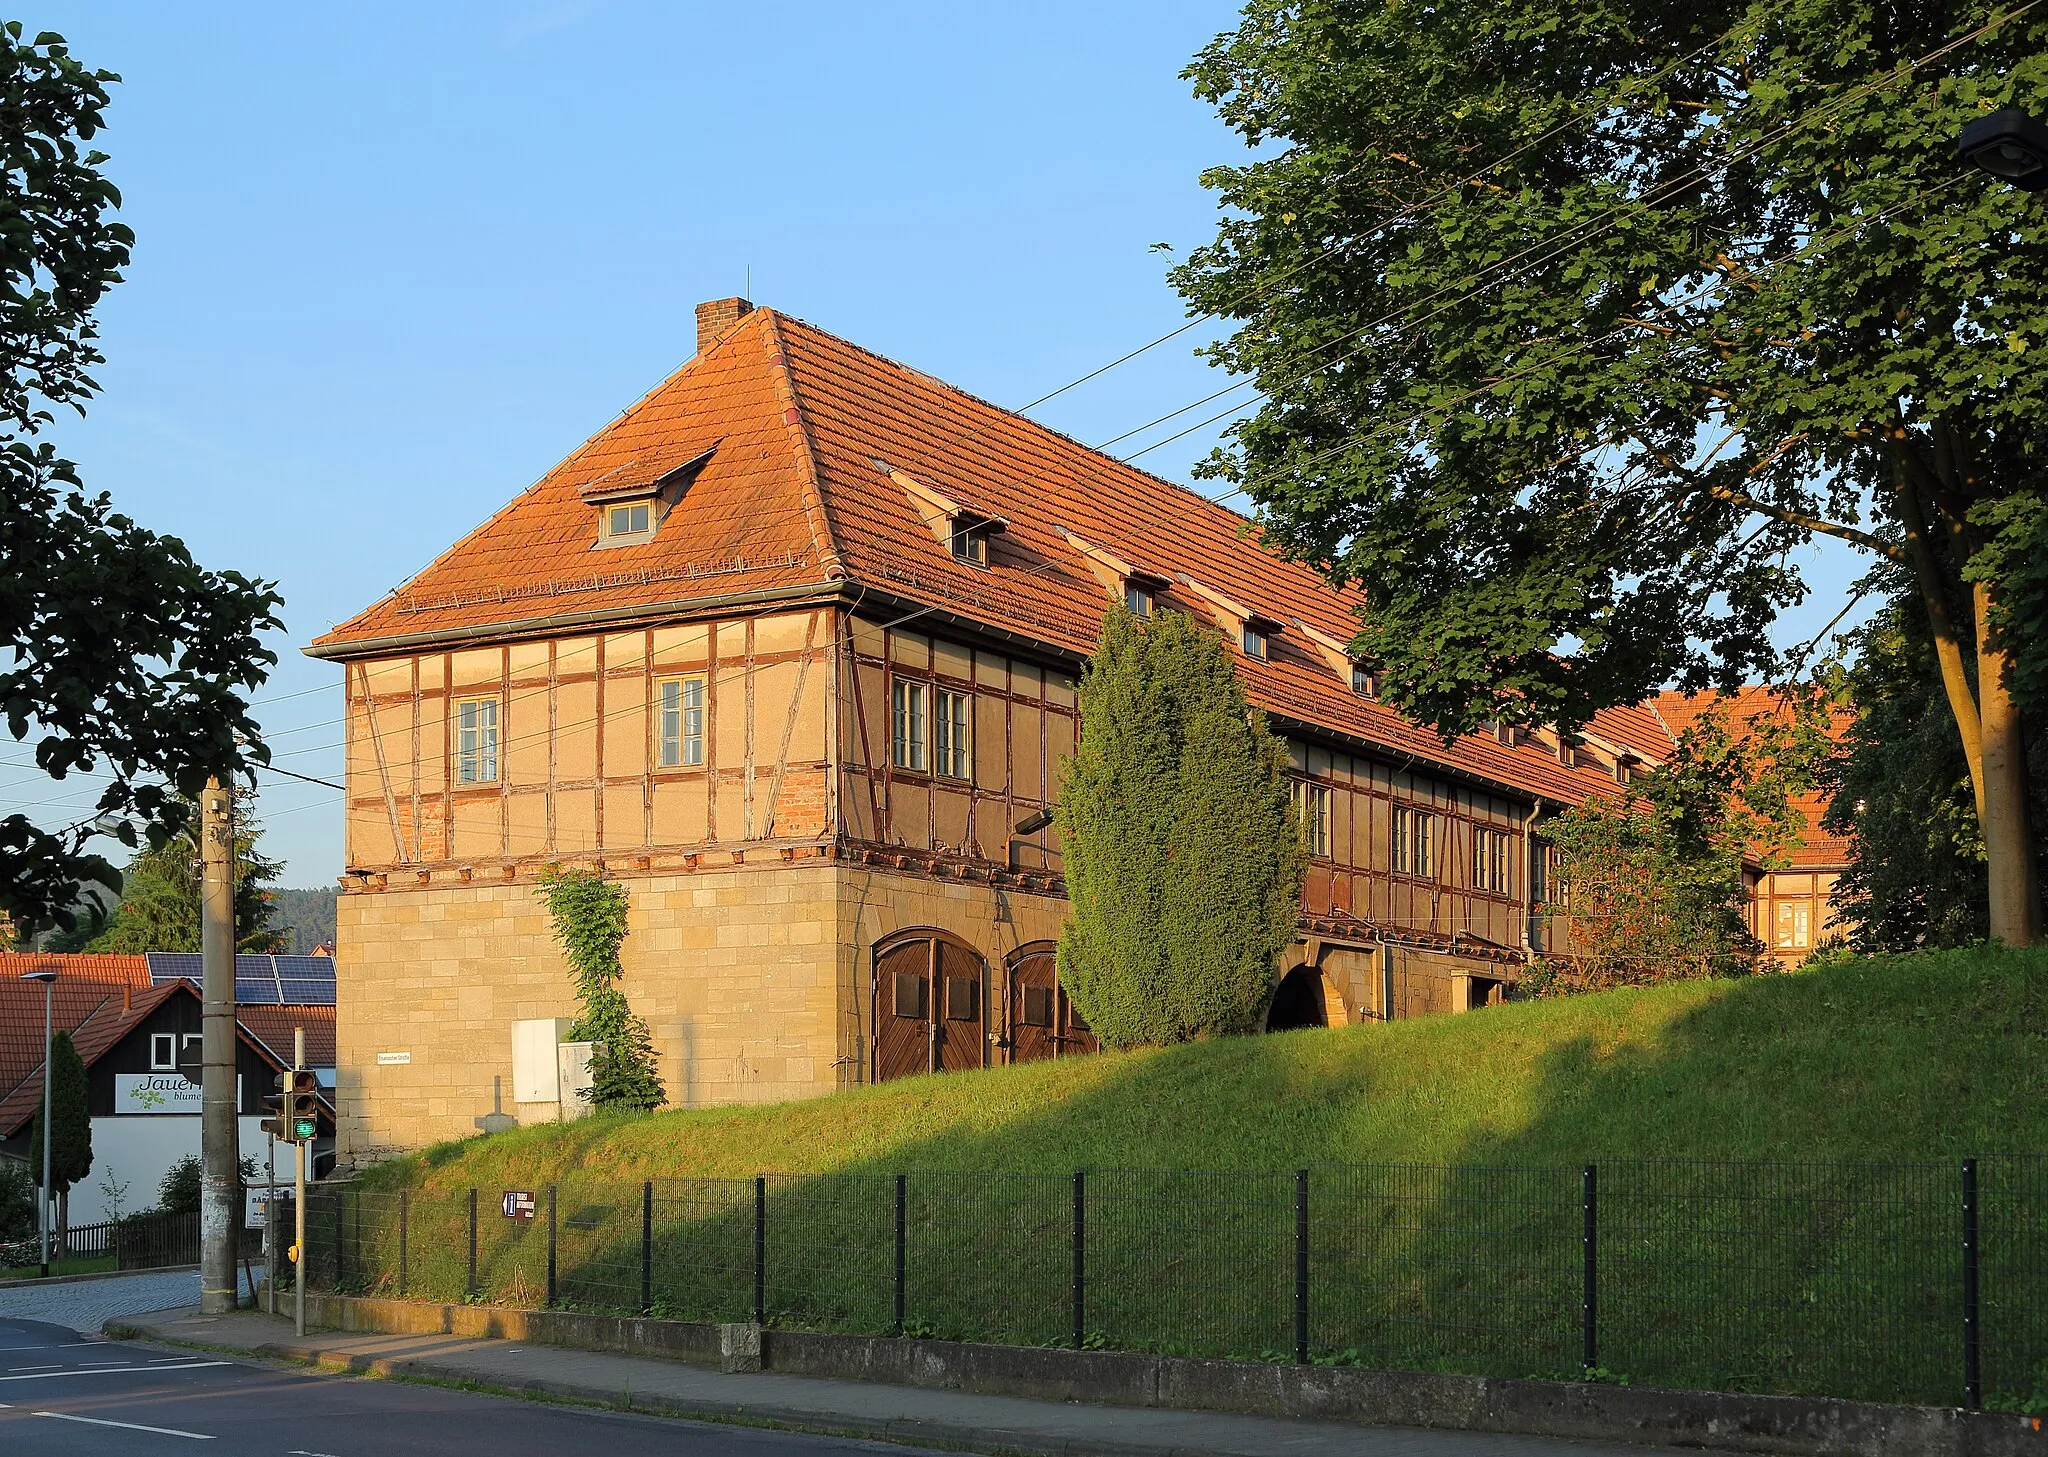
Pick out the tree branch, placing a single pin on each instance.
(1890, 551)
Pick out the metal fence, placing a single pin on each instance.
(1905, 1282)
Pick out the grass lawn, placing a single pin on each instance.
(1445, 1189)
(59, 1267)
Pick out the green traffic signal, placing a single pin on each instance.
(304, 1108)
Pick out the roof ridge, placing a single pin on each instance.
(810, 484)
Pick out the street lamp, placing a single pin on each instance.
(47, 975)
(2010, 145)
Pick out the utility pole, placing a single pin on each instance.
(219, 1145)
(270, 1244)
(305, 1151)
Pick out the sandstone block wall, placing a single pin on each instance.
(735, 971)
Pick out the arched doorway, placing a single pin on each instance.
(1298, 1001)
(930, 998)
(1043, 1022)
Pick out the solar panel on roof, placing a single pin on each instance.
(170, 965)
(259, 980)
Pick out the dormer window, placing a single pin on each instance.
(970, 545)
(1254, 641)
(631, 499)
(633, 520)
(1137, 599)
(958, 527)
(1361, 680)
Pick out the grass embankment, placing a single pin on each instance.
(1798, 1276)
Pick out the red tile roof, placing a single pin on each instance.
(798, 499)
(272, 1026)
(101, 999)
(1817, 849)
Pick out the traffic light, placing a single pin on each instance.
(305, 1107)
(278, 1124)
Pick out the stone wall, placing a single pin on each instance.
(735, 971)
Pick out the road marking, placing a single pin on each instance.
(127, 1426)
(51, 1366)
(108, 1370)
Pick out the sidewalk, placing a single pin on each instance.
(848, 1408)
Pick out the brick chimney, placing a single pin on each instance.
(718, 318)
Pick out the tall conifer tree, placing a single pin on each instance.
(1182, 848)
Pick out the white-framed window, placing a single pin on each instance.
(952, 734)
(680, 722)
(1489, 860)
(907, 740)
(1313, 803)
(163, 1052)
(1795, 925)
(476, 741)
(1361, 680)
(1254, 642)
(625, 523)
(1414, 842)
(970, 545)
(1137, 599)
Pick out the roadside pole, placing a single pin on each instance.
(219, 1150)
(304, 1148)
(270, 1220)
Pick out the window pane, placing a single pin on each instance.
(693, 721)
(950, 726)
(1254, 643)
(671, 725)
(908, 741)
(476, 741)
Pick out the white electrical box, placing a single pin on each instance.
(536, 1066)
(573, 1060)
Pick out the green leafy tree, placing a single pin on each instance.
(1901, 790)
(1573, 323)
(17, 1202)
(181, 1187)
(116, 648)
(159, 906)
(1182, 849)
(70, 1127)
(1653, 879)
(589, 913)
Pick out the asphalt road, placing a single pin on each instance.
(63, 1394)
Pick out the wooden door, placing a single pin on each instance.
(962, 1023)
(1043, 1021)
(1034, 1012)
(903, 1010)
(931, 995)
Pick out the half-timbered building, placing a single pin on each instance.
(789, 648)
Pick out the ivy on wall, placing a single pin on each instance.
(589, 914)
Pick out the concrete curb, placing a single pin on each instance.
(34, 1281)
(1792, 1426)
(907, 1432)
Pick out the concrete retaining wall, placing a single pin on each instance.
(1791, 1425)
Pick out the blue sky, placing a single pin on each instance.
(393, 262)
